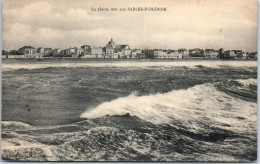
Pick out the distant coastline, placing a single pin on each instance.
(118, 52)
(104, 60)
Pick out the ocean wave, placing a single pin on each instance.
(209, 122)
(195, 108)
(191, 64)
(14, 125)
(129, 138)
(245, 89)
(110, 140)
(247, 82)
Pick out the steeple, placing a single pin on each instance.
(112, 43)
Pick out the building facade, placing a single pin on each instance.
(211, 54)
(124, 51)
(56, 52)
(158, 53)
(110, 49)
(27, 50)
(40, 50)
(134, 53)
(79, 52)
(184, 53)
(70, 51)
(196, 53)
(47, 52)
(230, 54)
(97, 52)
(252, 55)
(86, 49)
(113, 50)
(221, 52)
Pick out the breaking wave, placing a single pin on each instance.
(201, 123)
(191, 109)
(247, 82)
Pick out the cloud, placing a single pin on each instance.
(188, 23)
(41, 14)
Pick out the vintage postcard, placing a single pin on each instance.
(131, 80)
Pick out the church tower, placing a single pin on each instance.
(112, 43)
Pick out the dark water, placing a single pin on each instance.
(130, 112)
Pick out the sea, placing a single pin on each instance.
(178, 111)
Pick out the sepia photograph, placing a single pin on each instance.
(129, 81)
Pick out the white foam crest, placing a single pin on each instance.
(191, 64)
(247, 82)
(15, 123)
(189, 108)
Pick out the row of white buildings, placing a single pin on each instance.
(115, 51)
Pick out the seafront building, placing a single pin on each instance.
(40, 50)
(47, 52)
(230, 54)
(113, 50)
(56, 52)
(135, 53)
(27, 50)
(211, 54)
(196, 53)
(124, 51)
(97, 52)
(109, 49)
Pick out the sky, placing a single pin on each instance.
(228, 24)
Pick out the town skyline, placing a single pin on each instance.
(132, 48)
(103, 46)
(185, 24)
(113, 50)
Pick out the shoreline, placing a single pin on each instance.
(88, 60)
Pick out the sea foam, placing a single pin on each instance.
(247, 82)
(191, 64)
(192, 108)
